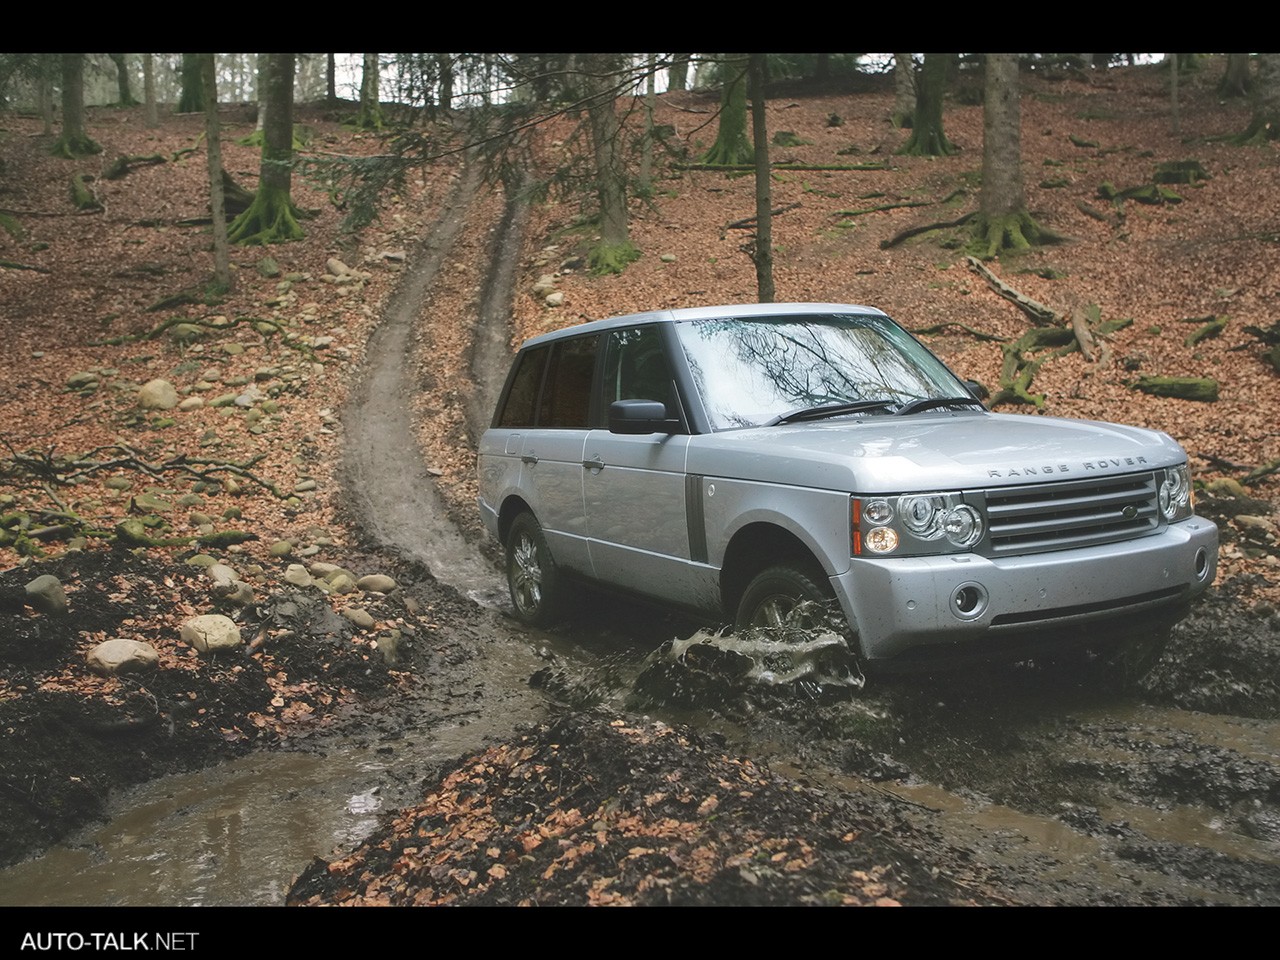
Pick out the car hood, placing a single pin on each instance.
(931, 451)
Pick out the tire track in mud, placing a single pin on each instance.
(392, 497)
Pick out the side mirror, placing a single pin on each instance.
(977, 390)
(640, 417)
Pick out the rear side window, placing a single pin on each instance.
(566, 398)
(522, 398)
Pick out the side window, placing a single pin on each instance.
(566, 399)
(518, 409)
(635, 367)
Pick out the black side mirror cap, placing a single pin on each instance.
(640, 417)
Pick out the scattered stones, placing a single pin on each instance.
(267, 267)
(191, 403)
(113, 657)
(46, 595)
(555, 299)
(302, 486)
(186, 333)
(211, 632)
(668, 258)
(221, 573)
(341, 582)
(281, 548)
(237, 593)
(376, 583)
(545, 284)
(201, 560)
(86, 380)
(336, 267)
(117, 483)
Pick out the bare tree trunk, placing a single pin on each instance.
(124, 93)
(650, 101)
(150, 112)
(1172, 59)
(904, 90)
(331, 80)
(615, 250)
(191, 100)
(272, 218)
(1235, 79)
(44, 90)
(217, 199)
(73, 142)
(678, 73)
(763, 254)
(731, 146)
(370, 105)
(444, 67)
(927, 138)
(1265, 124)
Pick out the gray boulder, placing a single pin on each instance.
(113, 657)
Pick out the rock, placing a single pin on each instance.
(201, 560)
(668, 258)
(117, 483)
(336, 267)
(85, 380)
(555, 299)
(233, 349)
(211, 632)
(45, 593)
(237, 593)
(267, 267)
(1255, 527)
(377, 583)
(191, 403)
(281, 548)
(389, 646)
(112, 657)
(185, 333)
(396, 256)
(296, 574)
(302, 486)
(158, 395)
(359, 616)
(221, 573)
(545, 284)
(341, 582)
(1225, 487)
(324, 570)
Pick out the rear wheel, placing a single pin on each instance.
(532, 576)
(773, 595)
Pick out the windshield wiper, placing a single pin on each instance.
(828, 410)
(930, 403)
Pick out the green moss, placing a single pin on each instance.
(612, 258)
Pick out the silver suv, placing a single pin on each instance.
(737, 460)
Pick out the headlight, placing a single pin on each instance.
(1175, 493)
(914, 524)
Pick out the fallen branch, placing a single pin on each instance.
(882, 207)
(916, 231)
(750, 168)
(1265, 470)
(14, 265)
(751, 221)
(123, 165)
(1039, 314)
(45, 468)
(939, 327)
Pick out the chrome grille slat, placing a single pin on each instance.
(1077, 513)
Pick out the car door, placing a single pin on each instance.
(634, 486)
(551, 453)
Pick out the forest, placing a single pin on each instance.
(256, 311)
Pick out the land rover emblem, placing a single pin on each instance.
(1129, 512)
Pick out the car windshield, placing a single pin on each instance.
(759, 370)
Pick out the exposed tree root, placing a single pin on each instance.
(926, 228)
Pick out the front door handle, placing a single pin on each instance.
(595, 463)
(529, 458)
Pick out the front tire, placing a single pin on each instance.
(532, 576)
(774, 593)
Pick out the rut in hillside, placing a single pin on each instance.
(392, 496)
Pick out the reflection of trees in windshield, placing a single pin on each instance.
(760, 369)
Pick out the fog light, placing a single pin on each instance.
(969, 600)
(881, 540)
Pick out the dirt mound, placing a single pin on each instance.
(593, 810)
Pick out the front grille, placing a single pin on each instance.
(1078, 513)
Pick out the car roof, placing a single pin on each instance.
(686, 314)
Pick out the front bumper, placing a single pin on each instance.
(901, 605)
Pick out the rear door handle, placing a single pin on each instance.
(595, 463)
(529, 458)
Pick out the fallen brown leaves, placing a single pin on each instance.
(577, 812)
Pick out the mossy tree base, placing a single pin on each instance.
(1014, 233)
(927, 143)
(271, 218)
(1203, 389)
(75, 147)
(609, 258)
